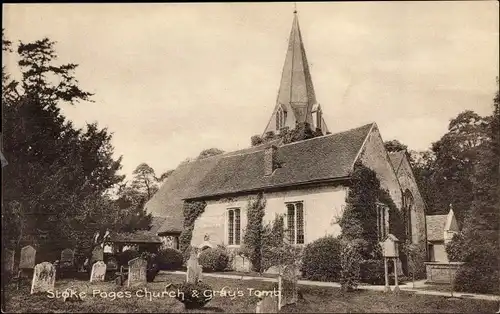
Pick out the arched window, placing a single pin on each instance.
(408, 204)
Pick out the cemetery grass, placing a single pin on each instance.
(315, 299)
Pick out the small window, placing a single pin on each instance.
(382, 218)
(280, 119)
(234, 226)
(295, 222)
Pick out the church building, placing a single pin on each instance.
(307, 181)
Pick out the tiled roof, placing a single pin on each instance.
(321, 158)
(435, 227)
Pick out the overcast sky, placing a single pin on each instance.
(173, 79)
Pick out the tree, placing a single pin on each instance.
(57, 177)
(145, 181)
(395, 146)
(209, 153)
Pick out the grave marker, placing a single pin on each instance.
(8, 260)
(27, 260)
(137, 268)
(44, 278)
(67, 256)
(98, 271)
(268, 304)
(287, 286)
(97, 254)
(194, 269)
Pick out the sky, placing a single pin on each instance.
(173, 79)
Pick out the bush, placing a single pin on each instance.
(124, 257)
(454, 248)
(214, 259)
(372, 272)
(194, 296)
(475, 279)
(350, 262)
(321, 260)
(170, 259)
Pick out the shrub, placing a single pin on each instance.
(454, 248)
(475, 279)
(194, 296)
(350, 260)
(170, 259)
(214, 259)
(321, 260)
(127, 255)
(372, 272)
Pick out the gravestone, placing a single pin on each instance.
(194, 269)
(97, 254)
(137, 268)
(27, 259)
(8, 260)
(268, 304)
(98, 271)
(44, 278)
(287, 285)
(67, 257)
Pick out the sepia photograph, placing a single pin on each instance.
(251, 157)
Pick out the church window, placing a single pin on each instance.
(408, 204)
(234, 226)
(295, 222)
(382, 219)
(318, 119)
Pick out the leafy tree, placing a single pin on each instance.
(395, 146)
(57, 177)
(478, 245)
(210, 152)
(145, 181)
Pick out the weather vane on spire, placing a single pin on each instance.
(295, 7)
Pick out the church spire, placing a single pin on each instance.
(296, 99)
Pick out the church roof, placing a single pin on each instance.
(319, 159)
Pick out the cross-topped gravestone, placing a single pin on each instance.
(194, 270)
(67, 256)
(97, 254)
(98, 271)
(27, 260)
(137, 268)
(44, 278)
(287, 285)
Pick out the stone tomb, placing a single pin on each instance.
(98, 271)
(27, 259)
(194, 269)
(137, 268)
(44, 278)
(287, 285)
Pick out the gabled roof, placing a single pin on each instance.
(325, 158)
(134, 237)
(321, 158)
(435, 227)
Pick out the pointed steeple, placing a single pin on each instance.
(296, 99)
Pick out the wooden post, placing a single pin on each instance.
(396, 288)
(386, 272)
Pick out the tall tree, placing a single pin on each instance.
(57, 174)
(395, 146)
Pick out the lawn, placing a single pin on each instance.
(315, 299)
